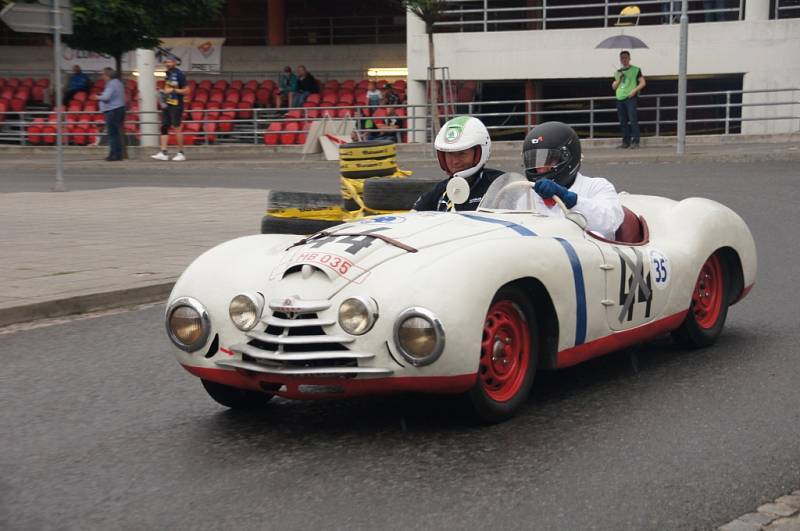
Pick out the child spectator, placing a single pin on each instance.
(374, 96)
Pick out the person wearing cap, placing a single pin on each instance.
(287, 86)
(463, 147)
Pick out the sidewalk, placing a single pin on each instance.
(89, 250)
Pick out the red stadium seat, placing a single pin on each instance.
(27, 82)
(294, 113)
(312, 114)
(216, 96)
(247, 95)
(268, 84)
(236, 84)
(205, 85)
(290, 133)
(197, 113)
(330, 98)
(399, 85)
(328, 113)
(12, 82)
(263, 97)
(37, 93)
(232, 95)
(200, 96)
(43, 82)
(313, 98)
(349, 84)
(272, 136)
(35, 131)
(251, 85)
(344, 113)
(80, 96)
(7, 93)
(361, 99)
(18, 105)
(221, 84)
(347, 98)
(246, 110)
(209, 130)
(331, 84)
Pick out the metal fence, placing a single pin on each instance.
(718, 112)
(786, 9)
(346, 30)
(479, 15)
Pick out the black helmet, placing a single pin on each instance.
(555, 146)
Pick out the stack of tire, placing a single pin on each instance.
(373, 161)
(369, 164)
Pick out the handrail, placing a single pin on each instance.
(595, 113)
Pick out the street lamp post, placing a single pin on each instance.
(682, 55)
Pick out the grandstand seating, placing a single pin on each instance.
(212, 107)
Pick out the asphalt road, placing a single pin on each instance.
(101, 429)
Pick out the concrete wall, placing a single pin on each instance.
(766, 51)
(349, 60)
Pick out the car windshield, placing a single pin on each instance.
(510, 191)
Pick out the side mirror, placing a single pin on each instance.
(458, 190)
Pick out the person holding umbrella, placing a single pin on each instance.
(628, 83)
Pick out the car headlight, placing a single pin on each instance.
(188, 324)
(419, 336)
(245, 310)
(357, 315)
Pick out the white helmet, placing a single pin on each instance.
(458, 134)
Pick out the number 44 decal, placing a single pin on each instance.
(634, 289)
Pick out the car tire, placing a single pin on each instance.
(709, 306)
(299, 226)
(508, 357)
(278, 200)
(395, 194)
(235, 398)
(369, 149)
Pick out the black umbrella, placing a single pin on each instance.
(622, 42)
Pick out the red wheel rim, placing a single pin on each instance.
(708, 292)
(505, 351)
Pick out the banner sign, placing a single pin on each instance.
(194, 54)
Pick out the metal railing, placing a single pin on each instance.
(721, 112)
(346, 30)
(476, 15)
(786, 9)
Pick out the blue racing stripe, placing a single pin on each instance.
(519, 229)
(580, 291)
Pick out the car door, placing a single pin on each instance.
(632, 272)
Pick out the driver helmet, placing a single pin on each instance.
(459, 134)
(554, 145)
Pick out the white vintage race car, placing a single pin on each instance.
(453, 302)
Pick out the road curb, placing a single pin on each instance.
(85, 303)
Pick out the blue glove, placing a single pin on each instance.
(547, 189)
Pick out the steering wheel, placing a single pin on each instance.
(519, 184)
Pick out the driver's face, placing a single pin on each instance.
(542, 169)
(460, 160)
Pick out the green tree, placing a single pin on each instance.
(114, 27)
(430, 12)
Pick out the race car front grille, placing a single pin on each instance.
(295, 343)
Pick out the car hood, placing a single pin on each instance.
(347, 253)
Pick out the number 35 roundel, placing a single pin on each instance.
(662, 272)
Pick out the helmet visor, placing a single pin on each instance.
(544, 158)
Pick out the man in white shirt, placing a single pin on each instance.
(552, 157)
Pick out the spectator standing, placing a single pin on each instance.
(628, 82)
(172, 111)
(306, 84)
(78, 82)
(112, 105)
(374, 96)
(287, 86)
